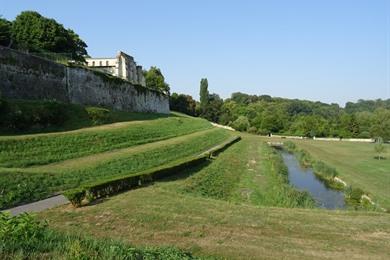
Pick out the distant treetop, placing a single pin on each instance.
(32, 32)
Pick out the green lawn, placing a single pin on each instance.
(248, 172)
(160, 216)
(22, 151)
(29, 184)
(356, 165)
(219, 209)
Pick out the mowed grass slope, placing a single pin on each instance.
(248, 172)
(159, 216)
(356, 165)
(29, 184)
(23, 151)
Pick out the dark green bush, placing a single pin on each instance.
(75, 196)
(98, 115)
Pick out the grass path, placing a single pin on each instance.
(159, 216)
(356, 165)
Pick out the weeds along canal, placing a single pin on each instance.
(304, 179)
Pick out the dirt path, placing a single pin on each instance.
(38, 206)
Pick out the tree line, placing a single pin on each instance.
(263, 114)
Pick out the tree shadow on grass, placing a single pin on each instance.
(186, 173)
(183, 174)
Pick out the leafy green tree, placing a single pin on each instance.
(155, 80)
(182, 103)
(5, 32)
(241, 124)
(379, 147)
(381, 123)
(204, 94)
(33, 32)
(212, 110)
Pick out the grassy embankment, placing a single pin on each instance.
(27, 116)
(27, 150)
(248, 172)
(218, 210)
(43, 243)
(160, 215)
(356, 165)
(29, 184)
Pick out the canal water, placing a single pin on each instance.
(305, 180)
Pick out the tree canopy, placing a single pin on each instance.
(155, 80)
(5, 32)
(32, 32)
(182, 103)
(204, 94)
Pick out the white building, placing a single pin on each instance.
(122, 66)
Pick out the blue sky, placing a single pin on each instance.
(326, 50)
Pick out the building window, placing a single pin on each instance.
(93, 63)
(100, 63)
(107, 63)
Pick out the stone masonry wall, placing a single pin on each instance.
(24, 76)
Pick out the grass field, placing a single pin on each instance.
(356, 165)
(257, 176)
(22, 151)
(228, 208)
(29, 184)
(158, 215)
(236, 205)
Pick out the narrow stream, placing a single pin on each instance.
(304, 179)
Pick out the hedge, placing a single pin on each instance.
(88, 193)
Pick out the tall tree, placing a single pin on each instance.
(182, 103)
(33, 32)
(5, 32)
(204, 94)
(155, 80)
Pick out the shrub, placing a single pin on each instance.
(354, 196)
(20, 232)
(261, 131)
(252, 130)
(241, 123)
(98, 115)
(289, 146)
(75, 196)
(324, 170)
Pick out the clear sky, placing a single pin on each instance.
(326, 50)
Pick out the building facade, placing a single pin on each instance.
(122, 66)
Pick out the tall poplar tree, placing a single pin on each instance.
(204, 94)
